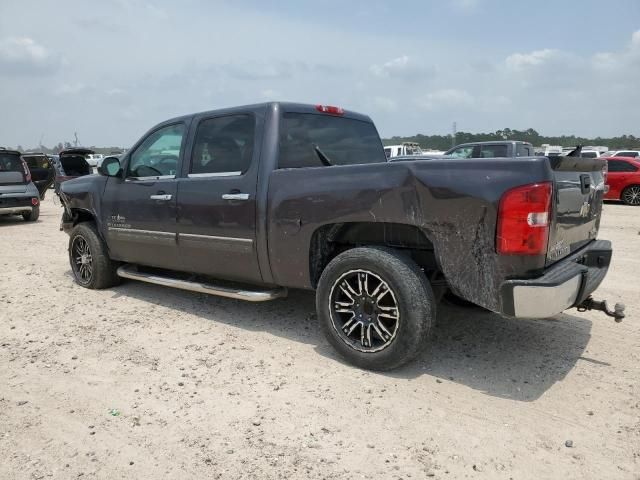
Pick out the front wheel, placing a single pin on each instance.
(375, 307)
(89, 258)
(631, 195)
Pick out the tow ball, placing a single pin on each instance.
(590, 304)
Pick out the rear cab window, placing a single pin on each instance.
(12, 170)
(306, 137)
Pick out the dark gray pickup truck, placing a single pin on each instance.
(250, 201)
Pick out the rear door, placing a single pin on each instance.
(579, 192)
(217, 199)
(139, 208)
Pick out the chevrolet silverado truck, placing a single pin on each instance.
(251, 201)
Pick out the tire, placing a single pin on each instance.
(392, 342)
(631, 195)
(89, 258)
(33, 215)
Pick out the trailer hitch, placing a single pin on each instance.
(590, 304)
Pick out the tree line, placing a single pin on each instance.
(444, 142)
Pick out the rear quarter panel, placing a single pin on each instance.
(453, 201)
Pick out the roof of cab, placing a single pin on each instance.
(288, 107)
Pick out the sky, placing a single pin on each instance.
(112, 69)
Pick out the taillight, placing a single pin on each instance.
(27, 172)
(330, 110)
(523, 220)
(35, 202)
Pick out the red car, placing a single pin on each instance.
(624, 179)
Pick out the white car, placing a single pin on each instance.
(94, 159)
(622, 153)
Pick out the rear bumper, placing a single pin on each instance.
(564, 285)
(15, 210)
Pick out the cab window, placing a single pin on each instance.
(494, 151)
(223, 146)
(462, 152)
(159, 153)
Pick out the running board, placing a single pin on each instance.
(132, 272)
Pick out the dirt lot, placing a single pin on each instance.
(205, 387)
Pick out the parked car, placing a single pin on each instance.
(622, 153)
(18, 194)
(280, 195)
(71, 163)
(408, 149)
(42, 171)
(585, 153)
(623, 179)
(93, 159)
(504, 149)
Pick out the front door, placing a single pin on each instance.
(139, 208)
(217, 200)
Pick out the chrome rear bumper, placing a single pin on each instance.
(564, 285)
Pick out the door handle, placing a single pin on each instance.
(235, 196)
(161, 197)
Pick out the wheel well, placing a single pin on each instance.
(330, 240)
(80, 216)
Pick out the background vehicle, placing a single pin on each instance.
(623, 179)
(42, 171)
(622, 153)
(71, 163)
(407, 148)
(586, 153)
(18, 194)
(501, 149)
(281, 195)
(93, 159)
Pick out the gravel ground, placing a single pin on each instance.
(146, 382)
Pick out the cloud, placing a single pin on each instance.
(401, 67)
(71, 88)
(522, 61)
(23, 55)
(385, 104)
(447, 98)
(465, 6)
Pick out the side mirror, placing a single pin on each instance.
(110, 167)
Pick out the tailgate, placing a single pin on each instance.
(579, 191)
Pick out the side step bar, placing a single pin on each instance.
(132, 272)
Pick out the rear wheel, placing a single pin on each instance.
(631, 195)
(375, 307)
(89, 258)
(33, 215)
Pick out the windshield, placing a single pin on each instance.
(343, 141)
